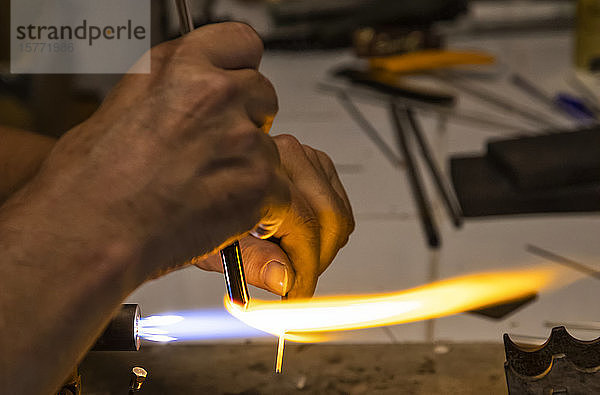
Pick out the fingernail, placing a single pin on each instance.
(275, 277)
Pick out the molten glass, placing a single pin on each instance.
(301, 320)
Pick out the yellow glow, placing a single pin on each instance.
(300, 320)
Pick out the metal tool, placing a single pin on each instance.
(231, 256)
(138, 376)
(500, 102)
(569, 105)
(186, 23)
(471, 117)
(580, 267)
(369, 130)
(389, 83)
(122, 333)
(562, 365)
(414, 178)
(429, 59)
(448, 197)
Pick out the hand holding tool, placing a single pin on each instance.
(231, 256)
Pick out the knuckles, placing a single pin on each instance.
(214, 87)
(203, 91)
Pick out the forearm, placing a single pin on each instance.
(21, 154)
(58, 290)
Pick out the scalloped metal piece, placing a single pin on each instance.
(561, 377)
(533, 360)
(562, 365)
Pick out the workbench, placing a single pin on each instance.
(247, 369)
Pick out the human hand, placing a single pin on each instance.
(174, 163)
(317, 224)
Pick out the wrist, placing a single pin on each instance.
(68, 243)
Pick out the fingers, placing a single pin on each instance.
(266, 265)
(336, 183)
(227, 45)
(319, 221)
(299, 236)
(217, 67)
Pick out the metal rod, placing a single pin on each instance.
(368, 129)
(578, 325)
(537, 93)
(414, 178)
(580, 267)
(450, 201)
(433, 275)
(186, 23)
(280, 347)
(501, 102)
(472, 117)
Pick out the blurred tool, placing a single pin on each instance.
(450, 202)
(575, 107)
(231, 256)
(392, 40)
(301, 24)
(503, 103)
(563, 364)
(429, 60)
(369, 130)
(390, 83)
(414, 178)
(569, 105)
(122, 333)
(580, 267)
(138, 376)
(186, 23)
(471, 117)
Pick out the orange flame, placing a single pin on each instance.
(300, 320)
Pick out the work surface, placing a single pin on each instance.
(475, 368)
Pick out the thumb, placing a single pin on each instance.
(266, 265)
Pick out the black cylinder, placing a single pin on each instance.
(122, 333)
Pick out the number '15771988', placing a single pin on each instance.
(41, 47)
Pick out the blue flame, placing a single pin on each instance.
(195, 325)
